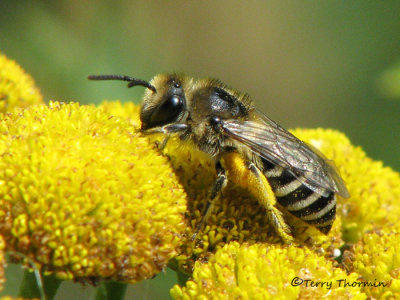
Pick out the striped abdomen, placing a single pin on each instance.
(300, 200)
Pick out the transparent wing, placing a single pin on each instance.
(278, 146)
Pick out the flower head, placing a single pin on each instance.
(85, 196)
(17, 88)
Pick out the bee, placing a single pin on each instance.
(246, 146)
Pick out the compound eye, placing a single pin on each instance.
(168, 111)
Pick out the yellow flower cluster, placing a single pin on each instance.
(263, 271)
(17, 88)
(376, 258)
(85, 196)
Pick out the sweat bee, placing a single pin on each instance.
(246, 146)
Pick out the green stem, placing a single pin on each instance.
(36, 286)
(108, 290)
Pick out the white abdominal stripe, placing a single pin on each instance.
(300, 200)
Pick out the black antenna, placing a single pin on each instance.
(132, 81)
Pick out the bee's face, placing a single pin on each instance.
(166, 105)
(177, 97)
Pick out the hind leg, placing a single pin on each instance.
(247, 175)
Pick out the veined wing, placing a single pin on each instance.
(275, 144)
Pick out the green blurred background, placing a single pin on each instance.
(329, 64)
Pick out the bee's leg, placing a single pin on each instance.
(219, 185)
(266, 197)
(167, 129)
(163, 143)
(246, 174)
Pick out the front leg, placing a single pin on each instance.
(216, 190)
(167, 130)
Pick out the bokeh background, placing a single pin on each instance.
(329, 64)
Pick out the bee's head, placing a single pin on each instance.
(164, 100)
(165, 106)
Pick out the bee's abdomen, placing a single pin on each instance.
(300, 200)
